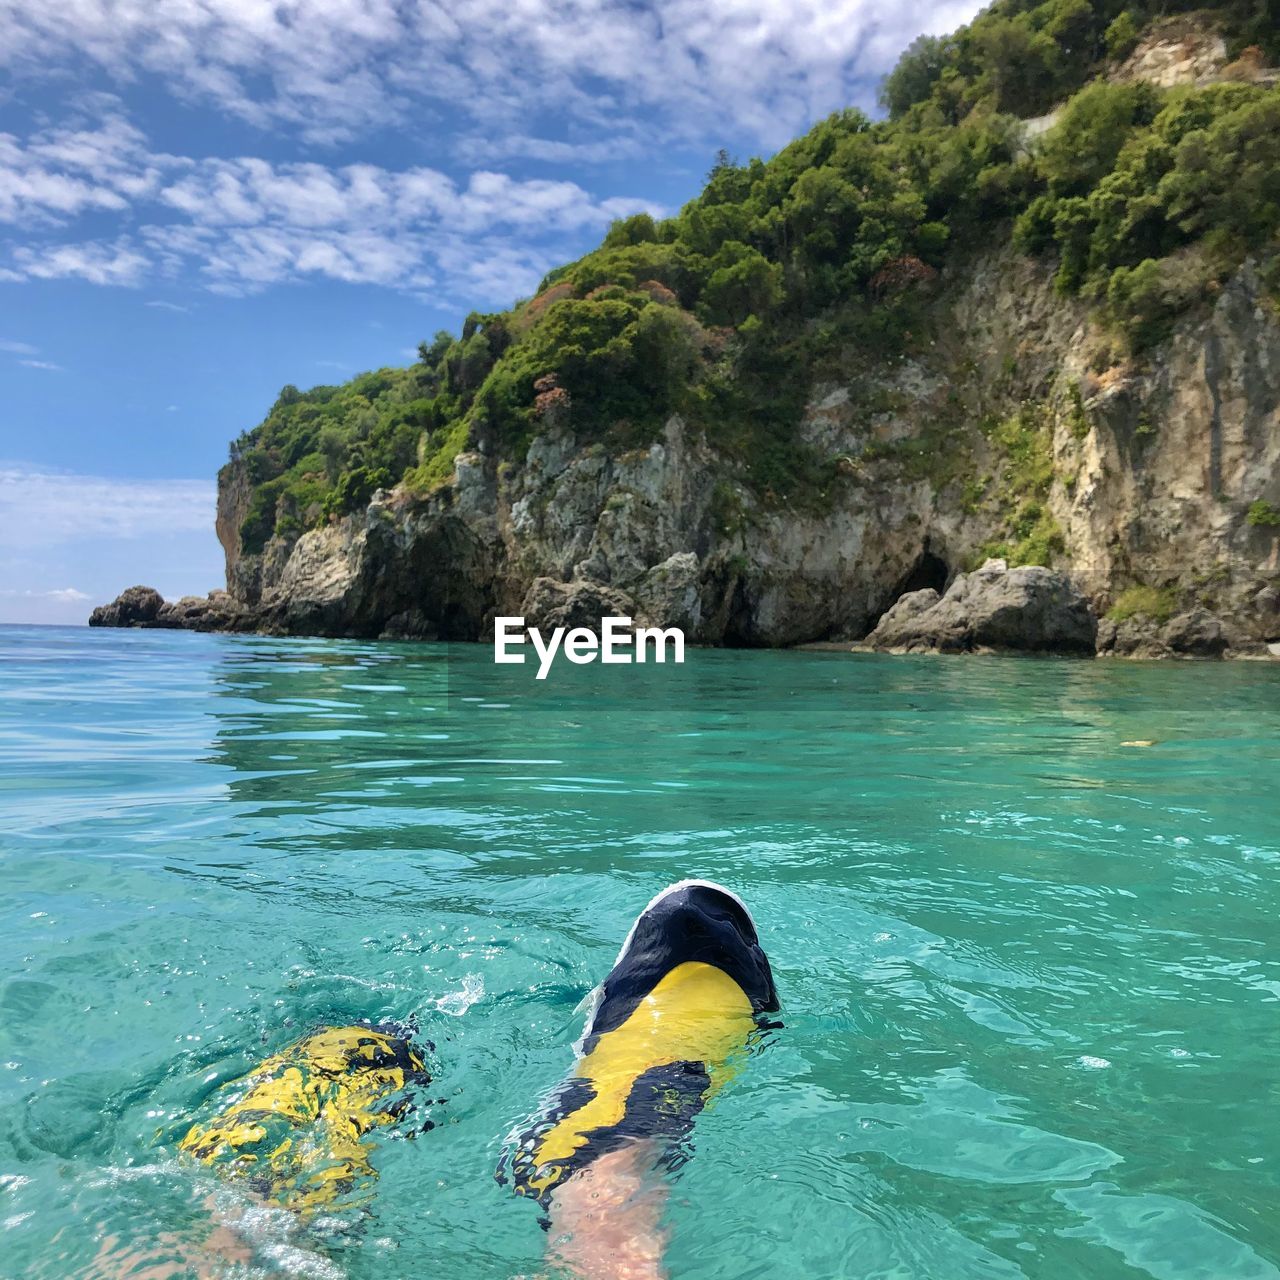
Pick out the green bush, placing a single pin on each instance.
(1262, 515)
(1146, 299)
(1122, 35)
(743, 283)
(1151, 200)
(1088, 137)
(1157, 603)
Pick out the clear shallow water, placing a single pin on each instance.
(1030, 976)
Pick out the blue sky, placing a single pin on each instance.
(203, 201)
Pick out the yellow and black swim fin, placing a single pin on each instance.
(297, 1128)
(684, 996)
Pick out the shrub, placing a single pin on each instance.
(1262, 515)
(1122, 35)
(1157, 603)
(745, 283)
(1153, 198)
(1146, 299)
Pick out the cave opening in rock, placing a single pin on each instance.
(928, 571)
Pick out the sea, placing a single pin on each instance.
(1023, 916)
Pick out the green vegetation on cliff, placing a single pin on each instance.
(1157, 603)
(1150, 199)
(1030, 533)
(784, 270)
(1023, 57)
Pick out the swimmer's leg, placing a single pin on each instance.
(606, 1219)
(172, 1257)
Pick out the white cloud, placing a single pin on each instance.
(337, 68)
(614, 80)
(166, 306)
(505, 145)
(41, 364)
(95, 261)
(58, 595)
(20, 348)
(244, 224)
(250, 193)
(40, 508)
(60, 173)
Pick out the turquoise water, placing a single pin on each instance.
(1030, 975)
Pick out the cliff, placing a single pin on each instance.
(1151, 474)
(768, 440)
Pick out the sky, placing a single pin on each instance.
(204, 200)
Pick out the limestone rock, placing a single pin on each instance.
(1136, 637)
(133, 607)
(669, 593)
(1196, 633)
(901, 617)
(1028, 608)
(550, 604)
(1175, 52)
(411, 624)
(218, 611)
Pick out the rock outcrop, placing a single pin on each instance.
(550, 604)
(133, 607)
(1183, 50)
(218, 611)
(146, 607)
(1030, 609)
(1197, 633)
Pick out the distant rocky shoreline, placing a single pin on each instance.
(995, 609)
(145, 607)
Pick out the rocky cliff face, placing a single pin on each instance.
(1147, 473)
(1178, 454)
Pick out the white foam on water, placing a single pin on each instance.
(456, 1003)
(270, 1232)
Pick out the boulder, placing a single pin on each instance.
(1195, 634)
(1028, 608)
(670, 592)
(900, 618)
(217, 611)
(549, 604)
(410, 624)
(146, 607)
(1136, 637)
(133, 607)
